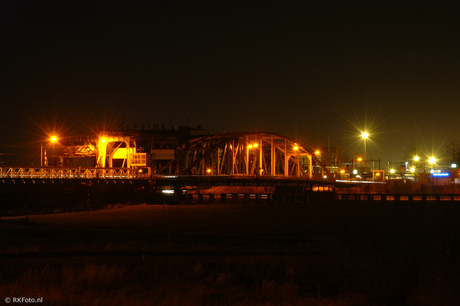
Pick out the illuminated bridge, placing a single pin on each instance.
(144, 154)
(141, 165)
(243, 153)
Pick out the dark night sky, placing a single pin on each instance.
(307, 71)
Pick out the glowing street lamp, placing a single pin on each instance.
(52, 139)
(249, 146)
(432, 161)
(365, 135)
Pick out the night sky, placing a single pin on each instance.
(310, 70)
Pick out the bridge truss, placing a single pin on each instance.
(242, 153)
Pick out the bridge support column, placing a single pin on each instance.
(211, 198)
(223, 198)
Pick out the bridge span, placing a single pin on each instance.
(186, 153)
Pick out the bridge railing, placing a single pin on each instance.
(71, 173)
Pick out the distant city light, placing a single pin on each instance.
(392, 171)
(317, 152)
(416, 158)
(453, 166)
(441, 174)
(365, 135)
(432, 160)
(53, 139)
(355, 171)
(412, 169)
(360, 159)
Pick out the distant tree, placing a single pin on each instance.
(453, 149)
(412, 149)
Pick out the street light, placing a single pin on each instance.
(365, 135)
(249, 146)
(416, 159)
(53, 139)
(432, 161)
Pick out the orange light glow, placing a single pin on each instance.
(342, 171)
(317, 152)
(296, 148)
(208, 170)
(53, 139)
(360, 159)
(377, 174)
(250, 147)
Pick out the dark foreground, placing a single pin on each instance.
(324, 254)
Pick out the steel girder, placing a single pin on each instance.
(243, 153)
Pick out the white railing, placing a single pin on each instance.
(71, 173)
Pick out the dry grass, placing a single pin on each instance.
(236, 255)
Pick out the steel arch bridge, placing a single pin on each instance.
(243, 153)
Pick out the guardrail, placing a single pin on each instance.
(397, 197)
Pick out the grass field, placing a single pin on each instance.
(324, 254)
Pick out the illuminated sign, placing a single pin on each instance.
(440, 174)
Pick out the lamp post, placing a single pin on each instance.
(249, 146)
(53, 139)
(432, 161)
(365, 135)
(416, 159)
